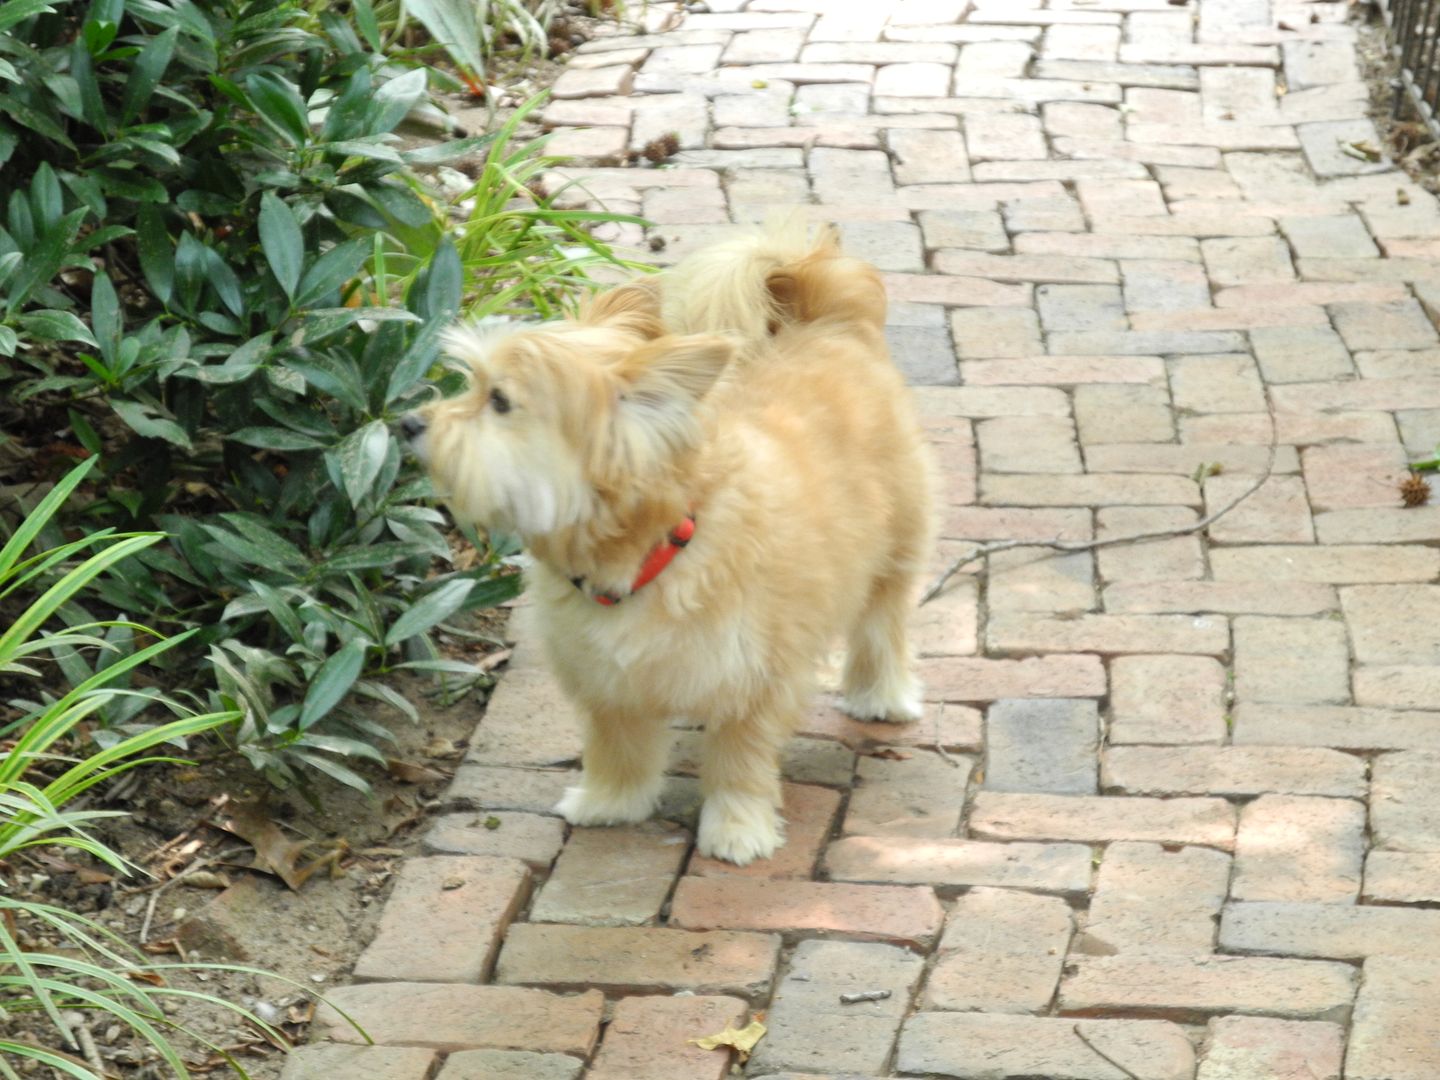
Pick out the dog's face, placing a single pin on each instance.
(558, 418)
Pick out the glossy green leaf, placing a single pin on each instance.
(105, 317)
(432, 609)
(345, 118)
(274, 438)
(361, 454)
(282, 242)
(46, 199)
(13, 12)
(278, 102)
(224, 282)
(393, 100)
(332, 682)
(331, 270)
(149, 426)
(445, 282)
(51, 325)
(157, 254)
(322, 323)
(43, 262)
(146, 72)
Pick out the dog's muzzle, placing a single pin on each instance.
(412, 425)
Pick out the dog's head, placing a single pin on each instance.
(560, 419)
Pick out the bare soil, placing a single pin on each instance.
(211, 897)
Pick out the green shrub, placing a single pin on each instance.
(95, 972)
(267, 274)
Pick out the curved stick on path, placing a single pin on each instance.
(982, 550)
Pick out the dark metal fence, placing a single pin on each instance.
(1414, 34)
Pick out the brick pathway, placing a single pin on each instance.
(1188, 820)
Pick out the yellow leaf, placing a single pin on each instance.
(742, 1039)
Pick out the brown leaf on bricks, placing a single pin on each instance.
(887, 753)
(742, 1039)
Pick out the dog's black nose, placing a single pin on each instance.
(412, 425)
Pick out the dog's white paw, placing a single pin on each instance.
(898, 705)
(585, 806)
(739, 828)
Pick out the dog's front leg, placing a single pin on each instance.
(625, 758)
(740, 781)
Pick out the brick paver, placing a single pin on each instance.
(1183, 821)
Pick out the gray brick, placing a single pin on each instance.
(1042, 745)
(1152, 899)
(1081, 307)
(1405, 801)
(1330, 931)
(1321, 143)
(1163, 285)
(613, 877)
(982, 230)
(1300, 354)
(888, 245)
(1001, 952)
(919, 795)
(988, 1047)
(1395, 1034)
(924, 354)
(1341, 236)
(1296, 661)
(810, 1030)
(1294, 847)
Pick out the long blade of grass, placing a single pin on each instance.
(11, 951)
(36, 565)
(64, 786)
(35, 615)
(41, 515)
(126, 1015)
(60, 1062)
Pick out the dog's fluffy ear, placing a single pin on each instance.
(634, 307)
(661, 385)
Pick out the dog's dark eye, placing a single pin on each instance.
(499, 401)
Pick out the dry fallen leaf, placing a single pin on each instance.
(742, 1039)
(272, 849)
(205, 879)
(1360, 151)
(408, 773)
(887, 753)
(442, 748)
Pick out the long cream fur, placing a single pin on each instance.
(752, 386)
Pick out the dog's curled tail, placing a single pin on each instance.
(772, 277)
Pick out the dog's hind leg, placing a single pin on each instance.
(625, 759)
(740, 781)
(878, 683)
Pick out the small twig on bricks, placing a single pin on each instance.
(982, 550)
(940, 741)
(1101, 1053)
(864, 995)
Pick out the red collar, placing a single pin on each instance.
(659, 558)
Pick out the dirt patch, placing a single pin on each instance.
(213, 900)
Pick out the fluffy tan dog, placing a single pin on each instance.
(743, 407)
